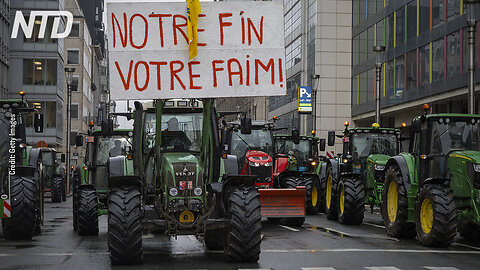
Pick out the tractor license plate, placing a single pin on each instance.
(190, 185)
(182, 185)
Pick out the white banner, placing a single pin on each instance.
(241, 50)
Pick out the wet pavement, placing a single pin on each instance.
(320, 244)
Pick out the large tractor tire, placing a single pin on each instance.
(436, 216)
(124, 225)
(214, 239)
(312, 192)
(64, 190)
(330, 195)
(395, 205)
(288, 181)
(322, 193)
(56, 188)
(243, 237)
(87, 212)
(351, 201)
(296, 221)
(24, 209)
(76, 183)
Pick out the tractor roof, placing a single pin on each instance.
(453, 115)
(289, 137)
(11, 102)
(255, 123)
(374, 130)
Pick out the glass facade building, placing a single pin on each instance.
(426, 51)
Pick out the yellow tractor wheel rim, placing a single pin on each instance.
(392, 201)
(314, 196)
(426, 216)
(342, 200)
(329, 192)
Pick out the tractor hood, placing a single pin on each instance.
(378, 159)
(182, 171)
(467, 155)
(259, 157)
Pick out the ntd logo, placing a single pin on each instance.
(28, 28)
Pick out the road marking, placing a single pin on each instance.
(467, 246)
(289, 228)
(382, 268)
(374, 225)
(318, 268)
(440, 268)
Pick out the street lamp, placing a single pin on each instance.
(471, 21)
(69, 72)
(378, 50)
(316, 78)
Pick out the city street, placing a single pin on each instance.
(319, 244)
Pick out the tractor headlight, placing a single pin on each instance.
(254, 164)
(173, 192)
(268, 164)
(197, 191)
(476, 167)
(379, 167)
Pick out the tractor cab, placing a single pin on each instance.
(305, 152)
(254, 151)
(54, 181)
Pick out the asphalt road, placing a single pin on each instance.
(320, 244)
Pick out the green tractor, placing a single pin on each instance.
(307, 167)
(178, 183)
(90, 187)
(21, 187)
(433, 190)
(54, 177)
(356, 177)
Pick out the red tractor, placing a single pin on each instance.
(252, 144)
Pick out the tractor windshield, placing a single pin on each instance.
(109, 147)
(182, 132)
(450, 134)
(259, 139)
(47, 159)
(301, 151)
(364, 144)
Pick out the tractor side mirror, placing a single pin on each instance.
(79, 140)
(331, 138)
(246, 125)
(296, 136)
(107, 127)
(62, 158)
(322, 144)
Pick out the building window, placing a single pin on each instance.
(372, 9)
(363, 10)
(411, 20)
(424, 65)
(411, 70)
(453, 9)
(74, 84)
(75, 30)
(370, 42)
(381, 33)
(363, 46)
(363, 88)
(293, 53)
(438, 12)
(51, 115)
(438, 60)
(47, 109)
(390, 79)
(399, 77)
(40, 72)
(424, 23)
(400, 27)
(293, 18)
(356, 12)
(390, 31)
(36, 30)
(356, 50)
(73, 56)
(453, 54)
(74, 111)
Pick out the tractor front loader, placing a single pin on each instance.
(433, 191)
(281, 195)
(21, 187)
(174, 181)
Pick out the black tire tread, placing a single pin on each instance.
(354, 207)
(124, 225)
(24, 209)
(244, 234)
(56, 186)
(87, 212)
(293, 221)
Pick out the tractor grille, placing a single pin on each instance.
(185, 175)
(264, 173)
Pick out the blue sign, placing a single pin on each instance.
(305, 99)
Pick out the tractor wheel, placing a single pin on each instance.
(436, 216)
(24, 209)
(214, 239)
(312, 189)
(351, 201)
(40, 213)
(76, 183)
(56, 189)
(87, 212)
(395, 205)
(243, 238)
(289, 182)
(64, 190)
(296, 221)
(322, 190)
(330, 195)
(125, 225)
(469, 232)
